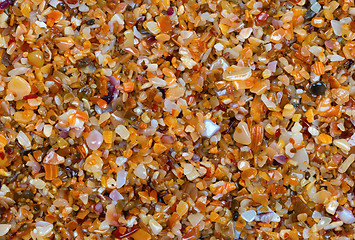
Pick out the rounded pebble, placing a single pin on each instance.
(318, 88)
(36, 58)
(94, 140)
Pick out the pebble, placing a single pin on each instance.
(155, 226)
(4, 229)
(342, 144)
(336, 25)
(38, 183)
(309, 14)
(211, 128)
(28, 194)
(90, 22)
(121, 178)
(242, 134)
(318, 88)
(94, 140)
(335, 58)
(36, 58)
(19, 87)
(141, 171)
(316, 7)
(249, 216)
(122, 131)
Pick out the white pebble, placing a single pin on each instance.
(219, 46)
(249, 216)
(324, 221)
(47, 130)
(336, 25)
(316, 214)
(352, 11)
(121, 178)
(24, 141)
(120, 161)
(268, 47)
(335, 58)
(190, 172)
(333, 225)
(83, 8)
(122, 131)
(38, 183)
(245, 33)
(211, 128)
(4, 228)
(296, 128)
(195, 219)
(141, 171)
(346, 20)
(316, 50)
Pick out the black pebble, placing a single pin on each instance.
(27, 194)
(318, 88)
(36, 207)
(90, 22)
(235, 216)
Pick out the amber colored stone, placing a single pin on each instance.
(159, 148)
(261, 198)
(173, 220)
(36, 58)
(51, 171)
(201, 203)
(318, 22)
(182, 208)
(164, 24)
(249, 173)
(141, 235)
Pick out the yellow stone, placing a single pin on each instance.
(108, 136)
(325, 138)
(310, 115)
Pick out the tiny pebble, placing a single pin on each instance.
(318, 88)
(249, 216)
